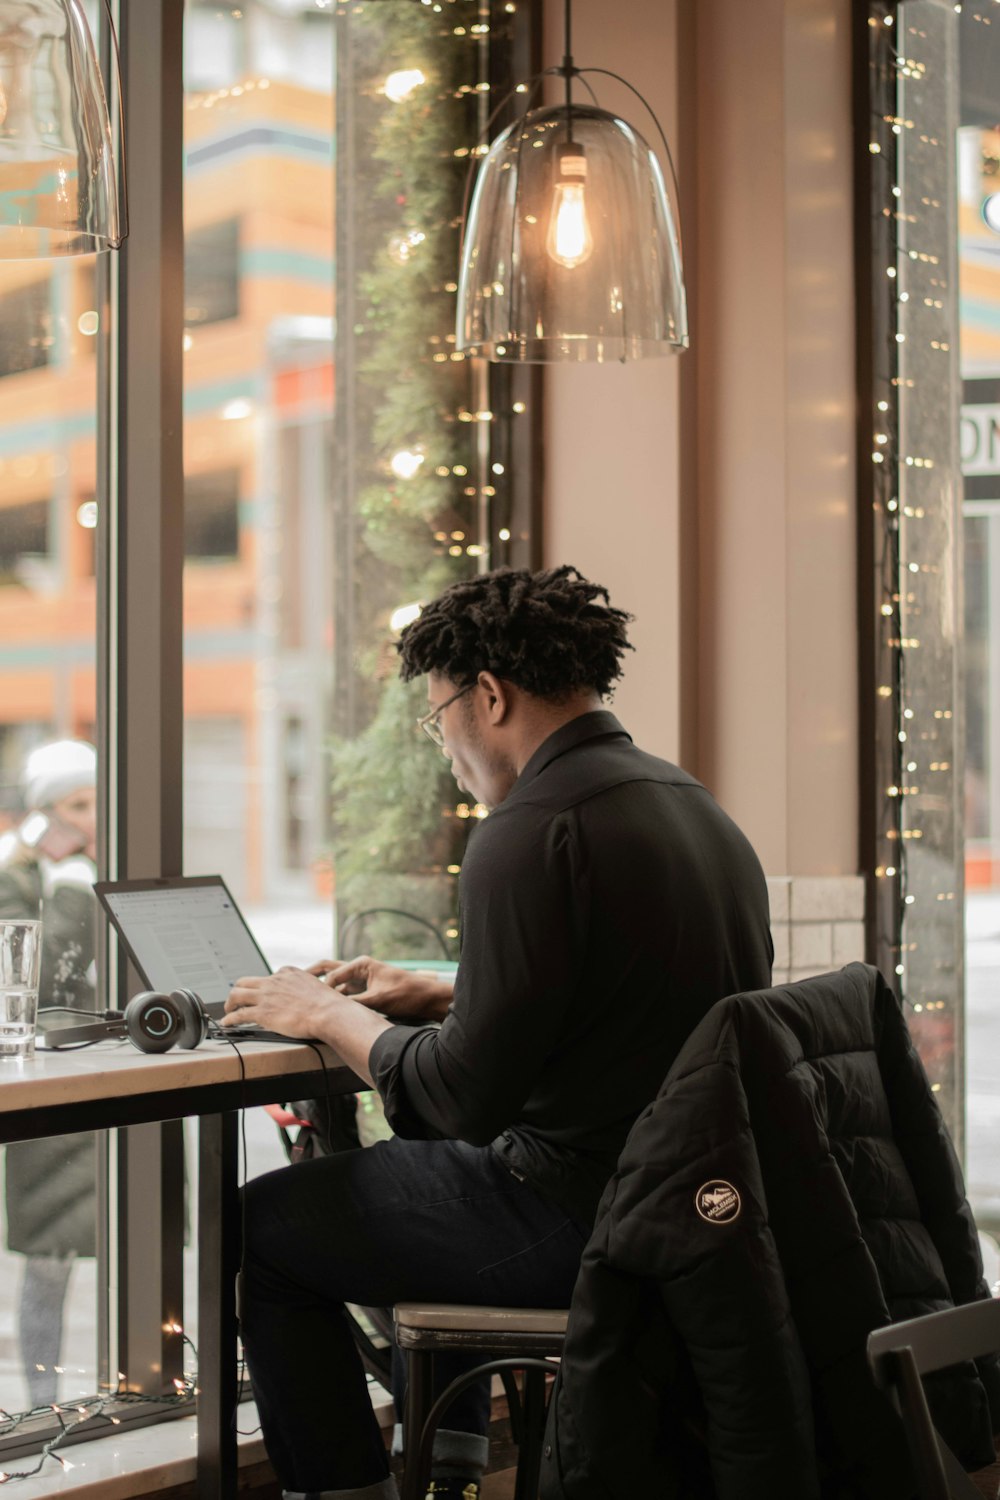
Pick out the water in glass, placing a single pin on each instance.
(18, 1011)
(20, 962)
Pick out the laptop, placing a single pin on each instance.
(184, 932)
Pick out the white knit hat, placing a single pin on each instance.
(55, 770)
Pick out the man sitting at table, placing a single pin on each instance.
(606, 903)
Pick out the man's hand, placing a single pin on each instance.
(405, 994)
(298, 1004)
(290, 1001)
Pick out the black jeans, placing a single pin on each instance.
(402, 1220)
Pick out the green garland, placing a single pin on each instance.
(397, 828)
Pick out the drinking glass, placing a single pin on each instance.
(20, 962)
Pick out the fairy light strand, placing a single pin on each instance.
(913, 733)
(107, 1408)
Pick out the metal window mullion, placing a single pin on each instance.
(144, 685)
(106, 292)
(511, 386)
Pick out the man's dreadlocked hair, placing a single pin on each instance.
(541, 631)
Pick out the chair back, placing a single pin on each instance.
(352, 942)
(900, 1354)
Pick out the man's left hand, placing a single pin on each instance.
(298, 1004)
(289, 1001)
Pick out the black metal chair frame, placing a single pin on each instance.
(900, 1354)
(392, 911)
(422, 1416)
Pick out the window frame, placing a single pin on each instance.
(920, 949)
(139, 559)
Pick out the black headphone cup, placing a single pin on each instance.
(156, 1022)
(194, 1018)
(151, 1021)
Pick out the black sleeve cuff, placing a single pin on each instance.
(387, 1063)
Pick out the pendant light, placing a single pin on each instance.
(570, 250)
(58, 185)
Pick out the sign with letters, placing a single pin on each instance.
(979, 433)
(979, 439)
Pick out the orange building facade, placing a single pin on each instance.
(258, 409)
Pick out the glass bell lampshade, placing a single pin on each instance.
(58, 186)
(571, 251)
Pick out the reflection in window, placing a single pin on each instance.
(978, 223)
(978, 153)
(48, 421)
(259, 389)
(25, 328)
(84, 534)
(211, 273)
(337, 445)
(420, 475)
(977, 676)
(212, 48)
(24, 543)
(294, 751)
(16, 741)
(211, 515)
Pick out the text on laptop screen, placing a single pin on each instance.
(191, 939)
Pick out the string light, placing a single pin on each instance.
(102, 1408)
(435, 418)
(236, 410)
(402, 83)
(405, 463)
(403, 247)
(912, 584)
(403, 616)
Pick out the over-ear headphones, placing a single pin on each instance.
(153, 1022)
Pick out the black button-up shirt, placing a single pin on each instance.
(605, 905)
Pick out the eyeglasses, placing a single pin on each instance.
(429, 723)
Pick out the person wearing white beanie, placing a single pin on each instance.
(60, 780)
(47, 870)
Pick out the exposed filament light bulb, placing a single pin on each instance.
(569, 241)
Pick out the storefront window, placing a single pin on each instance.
(933, 157)
(258, 395)
(342, 462)
(978, 173)
(48, 1208)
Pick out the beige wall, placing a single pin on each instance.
(611, 446)
(714, 493)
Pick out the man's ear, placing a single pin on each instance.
(498, 697)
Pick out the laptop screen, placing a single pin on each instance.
(184, 933)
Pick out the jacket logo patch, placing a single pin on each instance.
(718, 1202)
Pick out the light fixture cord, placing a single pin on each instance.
(567, 65)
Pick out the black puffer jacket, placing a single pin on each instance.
(791, 1188)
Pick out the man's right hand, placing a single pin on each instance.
(403, 994)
